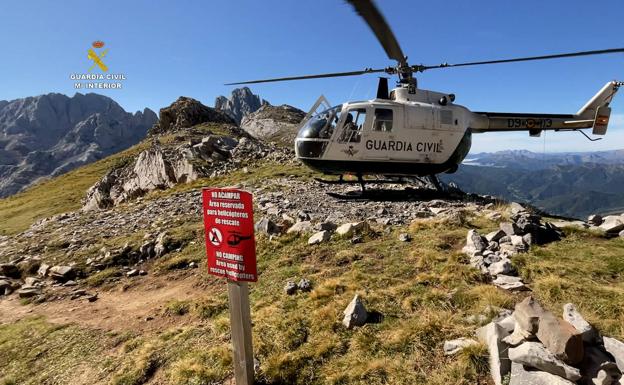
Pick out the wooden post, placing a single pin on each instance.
(240, 321)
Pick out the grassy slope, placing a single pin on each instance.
(423, 288)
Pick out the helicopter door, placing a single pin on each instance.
(380, 139)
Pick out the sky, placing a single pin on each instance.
(168, 49)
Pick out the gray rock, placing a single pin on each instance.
(516, 208)
(595, 220)
(492, 335)
(9, 270)
(510, 228)
(27, 292)
(290, 288)
(507, 282)
(616, 349)
(475, 241)
(320, 237)
(355, 314)
(301, 227)
(612, 224)
(273, 123)
(453, 347)
(62, 273)
(522, 376)
(304, 285)
(4, 285)
(535, 355)
(267, 226)
(527, 314)
(598, 368)
(574, 318)
(405, 237)
(350, 229)
(132, 273)
(43, 270)
(501, 267)
(241, 103)
(495, 236)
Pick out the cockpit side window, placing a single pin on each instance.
(383, 120)
(353, 124)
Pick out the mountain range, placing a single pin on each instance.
(47, 135)
(574, 184)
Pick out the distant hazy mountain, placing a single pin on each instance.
(241, 103)
(571, 184)
(47, 135)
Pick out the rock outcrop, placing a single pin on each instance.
(274, 123)
(241, 103)
(47, 135)
(187, 112)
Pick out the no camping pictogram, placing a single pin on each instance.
(215, 236)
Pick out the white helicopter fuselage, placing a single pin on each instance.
(418, 132)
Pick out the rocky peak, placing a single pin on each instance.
(275, 123)
(187, 112)
(241, 103)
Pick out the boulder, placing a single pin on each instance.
(43, 270)
(320, 237)
(616, 349)
(475, 241)
(27, 292)
(290, 288)
(495, 236)
(405, 237)
(492, 335)
(507, 282)
(574, 318)
(516, 208)
(527, 314)
(304, 285)
(453, 347)
(4, 285)
(349, 229)
(267, 226)
(9, 270)
(595, 220)
(522, 376)
(560, 338)
(535, 355)
(355, 314)
(62, 273)
(301, 227)
(501, 267)
(612, 224)
(510, 228)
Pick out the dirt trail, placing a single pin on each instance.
(117, 310)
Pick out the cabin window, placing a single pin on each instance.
(353, 124)
(383, 120)
(392, 95)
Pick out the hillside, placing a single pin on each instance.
(133, 303)
(574, 185)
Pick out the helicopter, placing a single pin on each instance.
(409, 132)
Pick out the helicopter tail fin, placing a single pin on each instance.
(597, 108)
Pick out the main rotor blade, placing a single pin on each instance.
(328, 75)
(381, 29)
(530, 58)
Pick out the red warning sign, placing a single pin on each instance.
(229, 226)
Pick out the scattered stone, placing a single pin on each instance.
(91, 297)
(453, 347)
(304, 285)
(28, 292)
(301, 227)
(193, 265)
(349, 229)
(405, 237)
(612, 224)
(143, 272)
(132, 273)
(598, 367)
(320, 237)
(574, 318)
(516, 208)
(507, 282)
(43, 270)
(560, 338)
(475, 241)
(355, 314)
(510, 228)
(492, 335)
(595, 220)
(265, 225)
(70, 283)
(535, 355)
(31, 281)
(501, 267)
(290, 288)
(9, 270)
(527, 314)
(522, 376)
(495, 236)
(62, 273)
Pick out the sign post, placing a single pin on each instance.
(231, 253)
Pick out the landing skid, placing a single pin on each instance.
(431, 179)
(408, 193)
